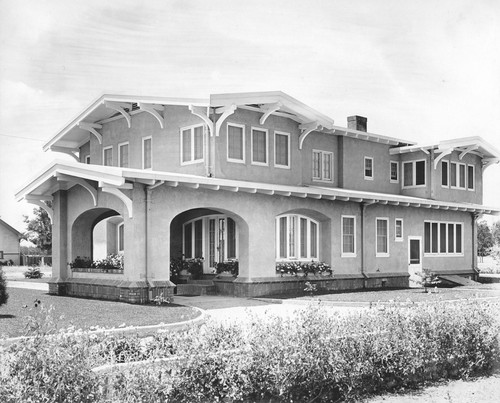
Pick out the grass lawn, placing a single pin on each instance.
(16, 273)
(403, 295)
(85, 313)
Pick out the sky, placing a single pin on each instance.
(423, 71)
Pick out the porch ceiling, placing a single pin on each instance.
(46, 183)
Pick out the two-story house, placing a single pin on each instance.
(257, 177)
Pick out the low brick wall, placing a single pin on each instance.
(134, 292)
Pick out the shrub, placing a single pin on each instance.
(113, 261)
(3, 289)
(296, 267)
(33, 272)
(428, 278)
(192, 266)
(229, 266)
(81, 263)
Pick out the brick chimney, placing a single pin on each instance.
(356, 123)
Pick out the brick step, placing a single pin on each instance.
(196, 289)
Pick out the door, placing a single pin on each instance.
(414, 260)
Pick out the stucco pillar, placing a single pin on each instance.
(59, 243)
(474, 217)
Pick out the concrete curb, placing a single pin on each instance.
(142, 331)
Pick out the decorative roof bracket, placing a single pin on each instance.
(307, 128)
(37, 201)
(226, 111)
(122, 196)
(443, 154)
(153, 110)
(79, 181)
(201, 112)
(70, 151)
(268, 110)
(119, 107)
(489, 161)
(91, 127)
(467, 150)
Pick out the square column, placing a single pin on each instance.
(59, 244)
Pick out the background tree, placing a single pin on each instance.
(3, 289)
(484, 239)
(495, 231)
(39, 229)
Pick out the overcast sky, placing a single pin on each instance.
(420, 70)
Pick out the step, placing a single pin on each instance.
(196, 289)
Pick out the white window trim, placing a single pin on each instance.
(447, 254)
(266, 164)
(459, 164)
(381, 254)
(308, 258)
(86, 159)
(192, 151)
(235, 160)
(447, 174)
(144, 139)
(118, 237)
(321, 178)
(414, 172)
(277, 132)
(104, 152)
(368, 178)
(342, 253)
(120, 145)
(473, 189)
(397, 171)
(401, 238)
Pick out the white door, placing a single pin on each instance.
(414, 259)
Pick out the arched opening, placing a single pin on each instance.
(97, 233)
(217, 236)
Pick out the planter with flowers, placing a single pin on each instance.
(303, 268)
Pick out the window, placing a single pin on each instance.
(322, 166)
(461, 176)
(193, 239)
(297, 237)
(87, 159)
(123, 155)
(444, 174)
(281, 150)
(453, 174)
(192, 144)
(147, 152)
(442, 238)
(398, 230)
(382, 237)
(470, 177)
(414, 173)
(1, 254)
(235, 143)
(348, 231)
(107, 156)
(121, 237)
(368, 168)
(259, 147)
(394, 171)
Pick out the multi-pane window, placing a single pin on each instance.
(443, 238)
(453, 174)
(444, 173)
(348, 236)
(322, 165)
(121, 237)
(368, 168)
(297, 237)
(461, 176)
(235, 143)
(398, 229)
(382, 237)
(259, 146)
(193, 239)
(123, 155)
(192, 144)
(394, 171)
(414, 173)
(147, 152)
(107, 156)
(281, 150)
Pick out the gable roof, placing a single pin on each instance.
(10, 228)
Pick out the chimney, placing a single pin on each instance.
(356, 123)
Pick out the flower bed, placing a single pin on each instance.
(112, 263)
(301, 268)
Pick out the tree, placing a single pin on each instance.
(3, 289)
(495, 230)
(484, 239)
(39, 229)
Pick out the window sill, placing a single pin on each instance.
(382, 255)
(348, 255)
(282, 166)
(236, 161)
(260, 164)
(398, 240)
(184, 163)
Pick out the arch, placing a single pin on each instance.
(82, 231)
(213, 222)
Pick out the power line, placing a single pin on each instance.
(20, 137)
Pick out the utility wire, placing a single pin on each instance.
(21, 137)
